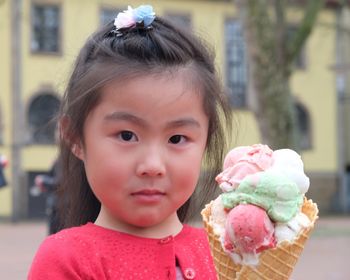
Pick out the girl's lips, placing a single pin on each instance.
(147, 192)
(148, 195)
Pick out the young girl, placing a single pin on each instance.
(143, 107)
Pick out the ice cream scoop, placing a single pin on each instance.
(218, 216)
(278, 195)
(288, 163)
(243, 161)
(248, 231)
(289, 231)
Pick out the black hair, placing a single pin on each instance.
(105, 56)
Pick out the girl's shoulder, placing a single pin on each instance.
(61, 254)
(73, 251)
(66, 241)
(71, 236)
(192, 232)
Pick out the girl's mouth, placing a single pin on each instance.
(148, 196)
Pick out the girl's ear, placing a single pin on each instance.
(70, 140)
(78, 151)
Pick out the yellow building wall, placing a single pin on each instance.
(315, 88)
(5, 102)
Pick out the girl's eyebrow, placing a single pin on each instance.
(184, 122)
(124, 116)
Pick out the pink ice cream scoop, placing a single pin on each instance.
(248, 230)
(243, 161)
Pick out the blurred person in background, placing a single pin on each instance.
(3, 164)
(48, 183)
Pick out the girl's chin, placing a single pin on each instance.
(156, 227)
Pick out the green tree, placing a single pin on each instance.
(271, 52)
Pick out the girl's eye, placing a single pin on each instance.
(176, 139)
(127, 136)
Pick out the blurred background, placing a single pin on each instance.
(302, 48)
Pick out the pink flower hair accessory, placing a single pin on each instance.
(141, 17)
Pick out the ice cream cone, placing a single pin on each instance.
(277, 263)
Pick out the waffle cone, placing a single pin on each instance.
(277, 263)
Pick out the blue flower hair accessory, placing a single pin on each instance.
(141, 17)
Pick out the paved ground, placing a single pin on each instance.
(325, 256)
(18, 243)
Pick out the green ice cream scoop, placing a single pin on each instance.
(280, 197)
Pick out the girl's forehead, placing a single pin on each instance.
(151, 92)
(180, 79)
(154, 99)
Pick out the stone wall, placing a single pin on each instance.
(324, 191)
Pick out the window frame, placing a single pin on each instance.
(301, 108)
(32, 129)
(244, 105)
(116, 9)
(174, 17)
(57, 4)
(300, 63)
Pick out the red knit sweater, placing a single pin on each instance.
(93, 252)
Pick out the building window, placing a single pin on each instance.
(182, 20)
(41, 117)
(108, 14)
(236, 63)
(303, 122)
(45, 28)
(300, 60)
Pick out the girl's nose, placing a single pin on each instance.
(151, 164)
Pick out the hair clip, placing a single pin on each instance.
(141, 17)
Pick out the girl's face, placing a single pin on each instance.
(143, 146)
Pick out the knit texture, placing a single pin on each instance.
(94, 252)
